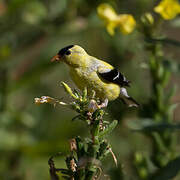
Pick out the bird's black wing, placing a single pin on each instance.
(114, 76)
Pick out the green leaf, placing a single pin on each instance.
(81, 147)
(69, 90)
(78, 117)
(108, 129)
(103, 150)
(95, 129)
(64, 171)
(169, 171)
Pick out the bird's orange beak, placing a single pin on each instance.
(56, 58)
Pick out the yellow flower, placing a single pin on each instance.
(106, 12)
(125, 22)
(168, 9)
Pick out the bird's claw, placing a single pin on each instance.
(93, 106)
(103, 104)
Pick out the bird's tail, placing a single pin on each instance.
(126, 99)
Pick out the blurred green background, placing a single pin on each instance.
(31, 32)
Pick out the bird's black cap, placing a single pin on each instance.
(64, 50)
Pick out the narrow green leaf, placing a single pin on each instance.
(108, 129)
(103, 149)
(95, 129)
(80, 147)
(78, 117)
(69, 90)
(64, 171)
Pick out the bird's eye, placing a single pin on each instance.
(68, 52)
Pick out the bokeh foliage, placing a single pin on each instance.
(31, 32)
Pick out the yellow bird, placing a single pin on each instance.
(94, 74)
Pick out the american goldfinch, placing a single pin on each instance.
(96, 75)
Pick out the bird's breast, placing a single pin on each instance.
(88, 77)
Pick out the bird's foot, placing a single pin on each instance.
(93, 105)
(103, 104)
